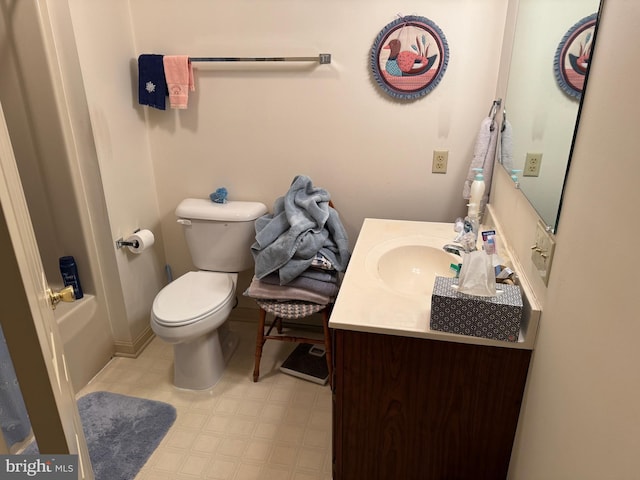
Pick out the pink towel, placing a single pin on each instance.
(179, 74)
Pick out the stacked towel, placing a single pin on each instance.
(301, 226)
(262, 290)
(313, 285)
(152, 86)
(312, 273)
(179, 74)
(300, 248)
(327, 288)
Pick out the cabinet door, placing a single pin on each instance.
(423, 409)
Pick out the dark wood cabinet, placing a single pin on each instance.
(408, 408)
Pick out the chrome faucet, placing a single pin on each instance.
(455, 249)
(467, 237)
(465, 243)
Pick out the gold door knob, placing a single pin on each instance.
(64, 295)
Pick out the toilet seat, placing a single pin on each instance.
(192, 297)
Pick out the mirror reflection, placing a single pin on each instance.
(541, 114)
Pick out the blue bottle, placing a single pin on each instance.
(69, 272)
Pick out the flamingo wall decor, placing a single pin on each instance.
(409, 57)
(572, 56)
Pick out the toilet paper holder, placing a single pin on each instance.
(121, 242)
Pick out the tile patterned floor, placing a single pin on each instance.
(276, 429)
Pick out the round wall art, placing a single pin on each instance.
(573, 55)
(409, 57)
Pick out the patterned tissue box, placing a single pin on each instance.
(497, 318)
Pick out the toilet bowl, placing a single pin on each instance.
(191, 313)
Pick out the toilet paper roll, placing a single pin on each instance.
(142, 240)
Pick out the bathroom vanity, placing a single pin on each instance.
(409, 402)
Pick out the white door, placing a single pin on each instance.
(25, 299)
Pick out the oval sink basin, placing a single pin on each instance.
(412, 269)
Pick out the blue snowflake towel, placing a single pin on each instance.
(152, 86)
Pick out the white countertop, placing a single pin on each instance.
(367, 304)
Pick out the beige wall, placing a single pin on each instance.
(581, 416)
(253, 128)
(120, 137)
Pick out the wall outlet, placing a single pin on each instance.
(532, 165)
(440, 159)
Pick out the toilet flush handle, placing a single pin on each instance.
(184, 221)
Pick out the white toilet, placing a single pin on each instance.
(191, 312)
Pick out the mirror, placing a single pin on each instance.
(542, 117)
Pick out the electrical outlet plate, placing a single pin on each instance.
(542, 251)
(440, 159)
(532, 165)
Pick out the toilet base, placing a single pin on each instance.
(229, 341)
(200, 363)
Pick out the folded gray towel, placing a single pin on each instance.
(262, 290)
(329, 289)
(302, 224)
(313, 273)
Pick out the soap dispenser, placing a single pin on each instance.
(477, 192)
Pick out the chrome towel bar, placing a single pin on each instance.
(322, 59)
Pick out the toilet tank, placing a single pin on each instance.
(219, 235)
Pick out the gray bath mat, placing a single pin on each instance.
(121, 431)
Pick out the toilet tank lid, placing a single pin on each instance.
(232, 211)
